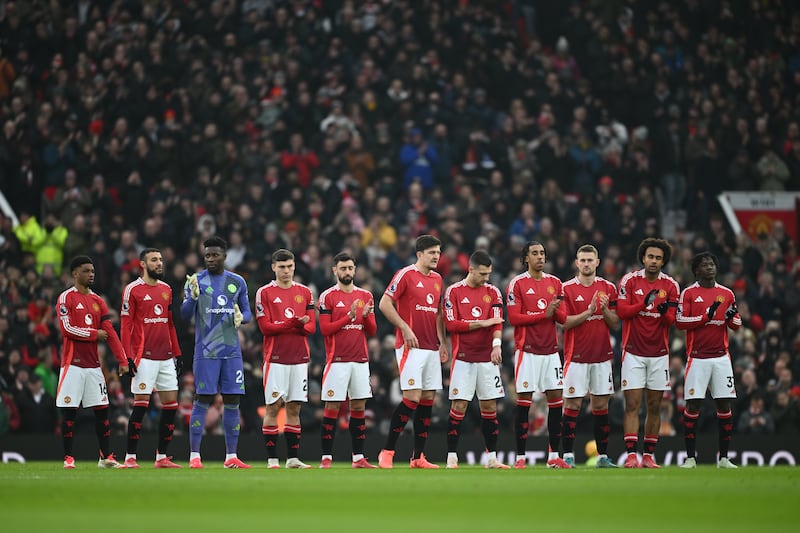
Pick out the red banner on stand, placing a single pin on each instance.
(755, 212)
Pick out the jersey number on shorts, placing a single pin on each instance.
(103, 389)
(497, 382)
(239, 376)
(559, 373)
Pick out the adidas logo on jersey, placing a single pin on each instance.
(530, 291)
(579, 298)
(277, 300)
(465, 300)
(699, 299)
(419, 284)
(147, 298)
(340, 304)
(639, 292)
(79, 306)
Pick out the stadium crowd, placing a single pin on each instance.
(359, 125)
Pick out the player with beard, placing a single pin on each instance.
(84, 320)
(346, 319)
(149, 338)
(413, 304)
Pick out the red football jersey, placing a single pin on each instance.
(645, 331)
(80, 316)
(277, 312)
(417, 298)
(147, 328)
(527, 301)
(464, 304)
(591, 341)
(345, 341)
(706, 338)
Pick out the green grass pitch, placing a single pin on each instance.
(42, 496)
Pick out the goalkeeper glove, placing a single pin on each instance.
(237, 315)
(713, 309)
(193, 285)
(650, 298)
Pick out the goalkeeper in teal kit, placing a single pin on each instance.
(217, 300)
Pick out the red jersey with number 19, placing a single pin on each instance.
(589, 342)
(464, 304)
(146, 328)
(416, 298)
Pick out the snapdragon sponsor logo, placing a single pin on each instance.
(354, 326)
(218, 311)
(425, 308)
(159, 320)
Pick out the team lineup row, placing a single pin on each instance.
(587, 307)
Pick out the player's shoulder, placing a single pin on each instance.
(519, 278)
(66, 294)
(296, 285)
(551, 278)
(406, 271)
(723, 289)
(669, 280)
(163, 285)
(435, 275)
(631, 276)
(361, 291)
(455, 287)
(132, 285)
(492, 289)
(691, 288)
(603, 281)
(230, 275)
(572, 283)
(329, 291)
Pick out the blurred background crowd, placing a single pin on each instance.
(321, 126)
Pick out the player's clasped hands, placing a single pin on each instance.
(552, 307)
(368, 308)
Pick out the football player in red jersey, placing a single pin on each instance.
(647, 303)
(285, 314)
(412, 303)
(346, 319)
(84, 320)
(474, 318)
(534, 308)
(148, 335)
(706, 310)
(589, 301)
